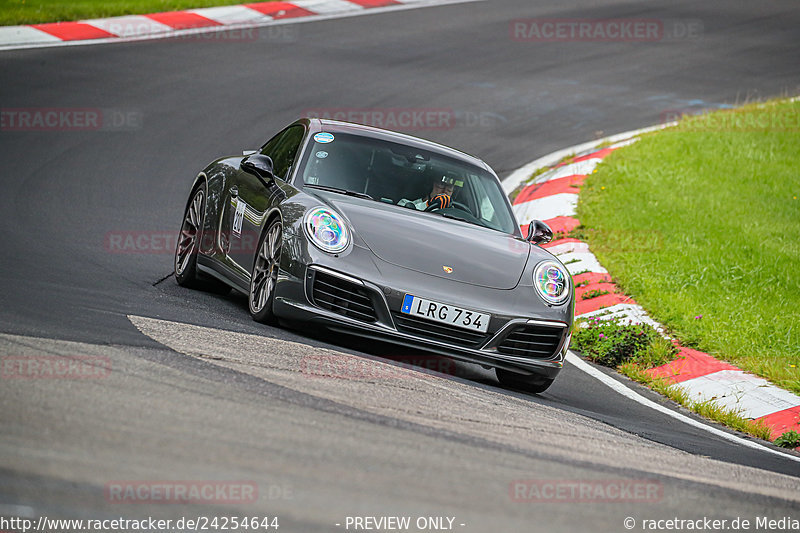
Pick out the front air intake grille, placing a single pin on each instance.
(533, 341)
(436, 331)
(342, 297)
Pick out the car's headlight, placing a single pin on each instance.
(552, 282)
(326, 229)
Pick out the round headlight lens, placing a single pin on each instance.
(552, 282)
(327, 230)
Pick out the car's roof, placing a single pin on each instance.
(338, 126)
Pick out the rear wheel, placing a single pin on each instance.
(529, 383)
(189, 245)
(264, 277)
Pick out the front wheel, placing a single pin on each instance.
(533, 383)
(264, 277)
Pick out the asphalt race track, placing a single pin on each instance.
(197, 391)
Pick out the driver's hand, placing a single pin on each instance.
(440, 201)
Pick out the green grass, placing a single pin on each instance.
(719, 198)
(14, 12)
(790, 439)
(632, 349)
(611, 344)
(588, 295)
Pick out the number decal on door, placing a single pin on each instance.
(238, 218)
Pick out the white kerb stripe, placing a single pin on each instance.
(581, 262)
(619, 310)
(627, 142)
(557, 205)
(625, 314)
(567, 247)
(324, 7)
(129, 26)
(25, 34)
(231, 14)
(736, 390)
(581, 167)
(630, 394)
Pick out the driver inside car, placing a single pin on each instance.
(439, 196)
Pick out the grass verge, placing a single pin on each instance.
(707, 409)
(790, 439)
(632, 349)
(700, 223)
(15, 12)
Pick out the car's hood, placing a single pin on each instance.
(432, 244)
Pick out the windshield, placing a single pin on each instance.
(406, 177)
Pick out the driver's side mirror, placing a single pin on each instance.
(539, 232)
(259, 165)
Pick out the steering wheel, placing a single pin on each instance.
(461, 206)
(452, 204)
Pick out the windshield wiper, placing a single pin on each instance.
(339, 191)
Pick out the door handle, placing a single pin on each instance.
(234, 191)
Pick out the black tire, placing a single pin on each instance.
(533, 383)
(264, 277)
(185, 264)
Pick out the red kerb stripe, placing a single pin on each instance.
(73, 31)
(562, 224)
(600, 154)
(560, 241)
(181, 20)
(783, 421)
(690, 364)
(568, 184)
(280, 10)
(594, 304)
(602, 286)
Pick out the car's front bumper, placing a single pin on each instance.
(295, 302)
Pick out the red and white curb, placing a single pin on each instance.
(177, 24)
(553, 197)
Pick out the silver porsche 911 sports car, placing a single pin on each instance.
(382, 235)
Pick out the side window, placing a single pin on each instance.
(486, 209)
(283, 150)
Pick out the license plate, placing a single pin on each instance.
(446, 314)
